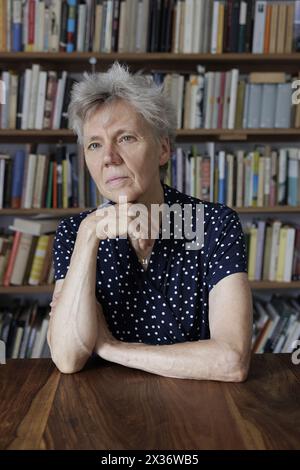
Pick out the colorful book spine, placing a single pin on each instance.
(17, 26)
(222, 181)
(11, 259)
(38, 260)
(71, 26)
(17, 183)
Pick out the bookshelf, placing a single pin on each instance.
(167, 62)
(185, 63)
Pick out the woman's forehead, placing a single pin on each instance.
(113, 116)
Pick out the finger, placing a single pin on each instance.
(106, 228)
(136, 231)
(138, 210)
(105, 211)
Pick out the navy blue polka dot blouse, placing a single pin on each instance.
(168, 302)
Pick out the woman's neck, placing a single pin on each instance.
(153, 195)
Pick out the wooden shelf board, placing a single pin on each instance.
(182, 135)
(26, 289)
(169, 62)
(75, 210)
(43, 136)
(266, 210)
(259, 285)
(150, 56)
(52, 212)
(274, 285)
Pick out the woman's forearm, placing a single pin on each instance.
(73, 323)
(200, 360)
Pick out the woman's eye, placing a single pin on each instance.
(90, 147)
(127, 138)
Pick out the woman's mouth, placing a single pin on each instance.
(116, 181)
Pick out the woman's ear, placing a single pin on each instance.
(165, 150)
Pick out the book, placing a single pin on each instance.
(34, 227)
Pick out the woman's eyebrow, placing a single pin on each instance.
(98, 137)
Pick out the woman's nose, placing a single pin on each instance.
(111, 155)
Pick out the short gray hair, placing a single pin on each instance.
(147, 97)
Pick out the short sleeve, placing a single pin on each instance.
(63, 246)
(227, 248)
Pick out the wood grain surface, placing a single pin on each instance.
(107, 406)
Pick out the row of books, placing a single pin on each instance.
(35, 99)
(23, 328)
(228, 100)
(184, 26)
(26, 256)
(39, 99)
(55, 180)
(276, 324)
(265, 177)
(275, 26)
(273, 250)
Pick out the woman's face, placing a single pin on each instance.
(119, 143)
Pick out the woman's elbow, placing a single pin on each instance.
(240, 374)
(237, 366)
(67, 360)
(67, 363)
(68, 366)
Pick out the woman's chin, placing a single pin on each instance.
(130, 194)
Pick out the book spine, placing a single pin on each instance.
(38, 260)
(17, 182)
(296, 29)
(259, 27)
(49, 186)
(11, 259)
(17, 26)
(234, 30)
(54, 186)
(63, 27)
(31, 26)
(59, 172)
(7, 192)
(115, 26)
(50, 97)
(296, 259)
(242, 27)
(71, 25)
(82, 13)
(21, 259)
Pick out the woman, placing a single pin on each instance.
(119, 293)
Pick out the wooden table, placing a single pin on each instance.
(107, 406)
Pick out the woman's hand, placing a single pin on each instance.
(122, 220)
(108, 222)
